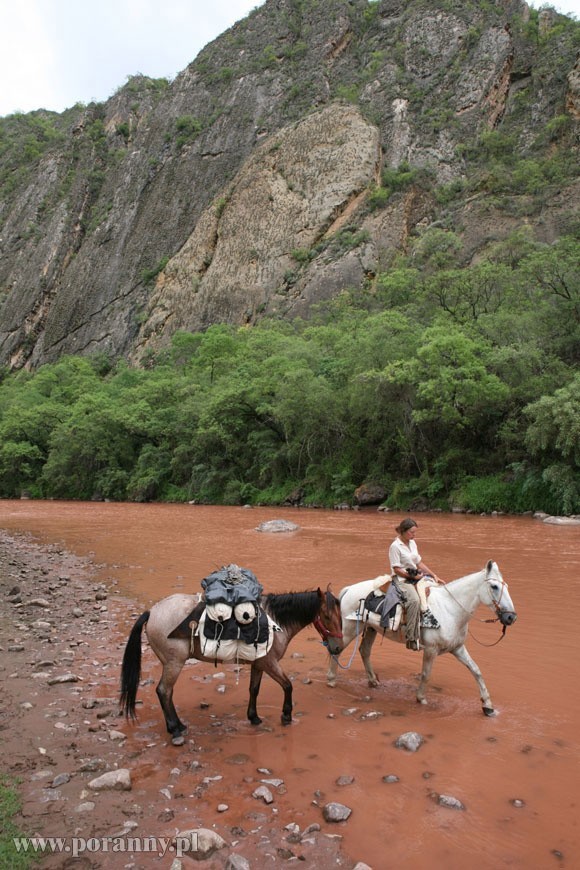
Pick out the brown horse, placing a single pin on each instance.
(291, 611)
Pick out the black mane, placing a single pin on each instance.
(293, 608)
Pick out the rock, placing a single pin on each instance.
(345, 780)
(410, 740)
(390, 778)
(61, 779)
(92, 765)
(39, 602)
(113, 780)
(370, 494)
(85, 807)
(452, 803)
(518, 803)
(222, 808)
(237, 862)
(277, 526)
(198, 843)
(562, 521)
(263, 793)
(117, 735)
(63, 678)
(335, 812)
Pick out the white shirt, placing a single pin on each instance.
(403, 556)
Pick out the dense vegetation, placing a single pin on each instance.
(455, 386)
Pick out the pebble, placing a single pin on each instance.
(92, 765)
(263, 793)
(345, 780)
(117, 735)
(335, 812)
(61, 779)
(39, 602)
(517, 802)
(206, 840)
(117, 780)
(63, 678)
(452, 803)
(410, 740)
(391, 778)
(222, 808)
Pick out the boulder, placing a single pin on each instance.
(277, 526)
(369, 494)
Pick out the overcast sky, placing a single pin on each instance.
(56, 53)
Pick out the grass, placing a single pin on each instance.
(10, 805)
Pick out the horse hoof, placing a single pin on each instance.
(255, 720)
(331, 684)
(178, 740)
(422, 701)
(286, 720)
(489, 711)
(373, 684)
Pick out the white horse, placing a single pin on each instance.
(453, 605)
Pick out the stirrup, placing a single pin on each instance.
(414, 645)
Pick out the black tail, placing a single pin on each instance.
(131, 669)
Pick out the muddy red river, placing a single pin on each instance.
(517, 774)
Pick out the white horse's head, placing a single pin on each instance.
(496, 595)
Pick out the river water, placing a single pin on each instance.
(529, 753)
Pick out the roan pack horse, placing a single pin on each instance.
(291, 611)
(453, 605)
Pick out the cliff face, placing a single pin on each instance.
(246, 186)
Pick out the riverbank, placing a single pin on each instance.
(63, 627)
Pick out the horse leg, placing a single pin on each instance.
(429, 656)
(255, 682)
(463, 656)
(349, 630)
(366, 646)
(273, 669)
(175, 727)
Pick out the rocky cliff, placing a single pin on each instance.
(294, 157)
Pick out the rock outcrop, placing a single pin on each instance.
(243, 188)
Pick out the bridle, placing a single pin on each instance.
(325, 632)
(496, 606)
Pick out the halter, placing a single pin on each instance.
(496, 607)
(324, 632)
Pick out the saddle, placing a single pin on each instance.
(387, 607)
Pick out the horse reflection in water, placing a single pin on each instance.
(291, 611)
(452, 604)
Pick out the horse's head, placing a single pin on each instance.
(328, 623)
(496, 595)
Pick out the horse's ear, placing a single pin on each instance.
(488, 567)
(320, 593)
(329, 588)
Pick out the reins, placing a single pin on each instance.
(488, 621)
